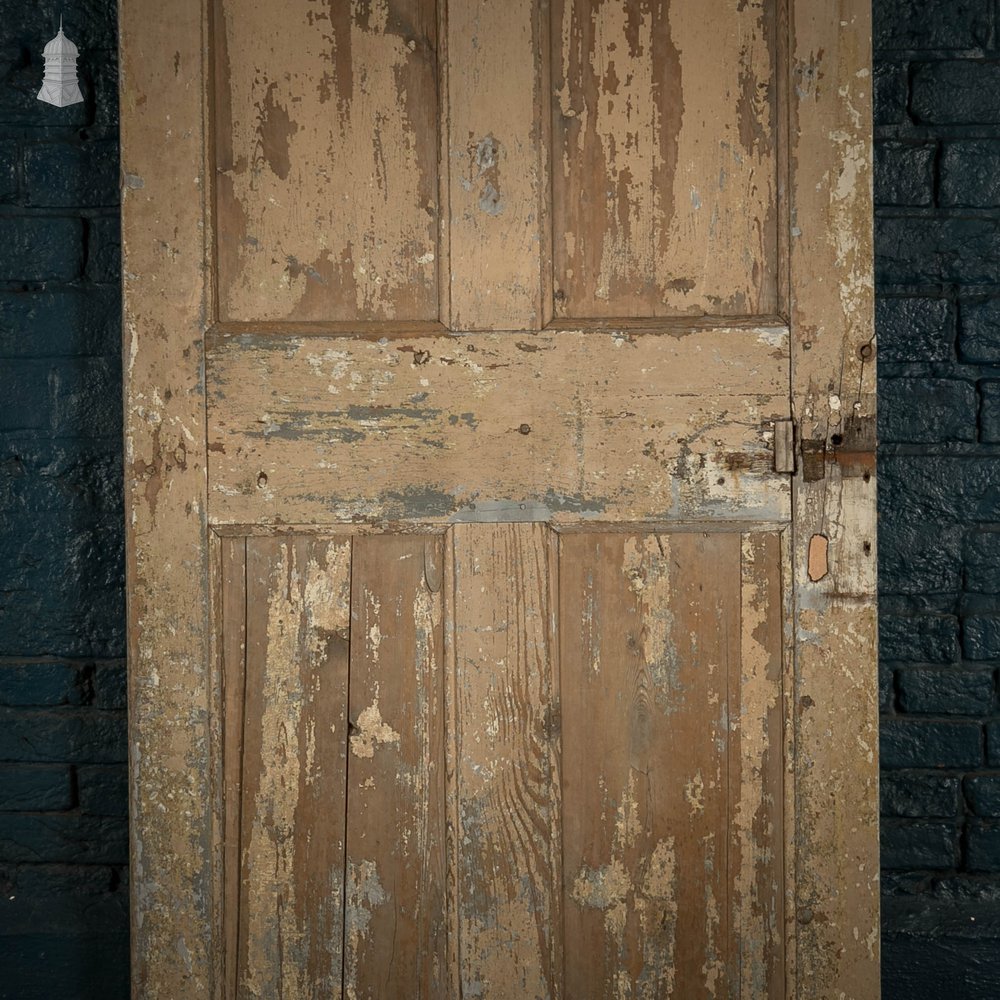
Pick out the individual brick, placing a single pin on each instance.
(915, 560)
(919, 845)
(63, 837)
(982, 846)
(914, 329)
(62, 735)
(39, 684)
(919, 794)
(981, 637)
(918, 743)
(946, 691)
(110, 685)
(61, 322)
(890, 90)
(103, 789)
(993, 744)
(931, 24)
(989, 411)
(979, 334)
(10, 158)
(104, 249)
(982, 562)
(904, 174)
(956, 92)
(919, 250)
(970, 174)
(71, 174)
(41, 248)
(926, 410)
(983, 794)
(72, 397)
(35, 787)
(919, 638)
(940, 489)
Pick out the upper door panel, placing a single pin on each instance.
(573, 161)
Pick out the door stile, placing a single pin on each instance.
(836, 904)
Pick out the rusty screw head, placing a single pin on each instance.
(866, 352)
(524, 429)
(261, 480)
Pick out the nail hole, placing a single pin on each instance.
(838, 440)
(867, 477)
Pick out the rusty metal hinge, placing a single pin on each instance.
(784, 446)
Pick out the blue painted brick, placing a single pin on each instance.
(10, 157)
(918, 638)
(916, 250)
(970, 174)
(983, 794)
(889, 93)
(35, 787)
(914, 329)
(931, 489)
(103, 789)
(926, 410)
(956, 92)
(982, 847)
(904, 174)
(982, 562)
(63, 837)
(46, 965)
(110, 685)
(993, 744)
(39, 684)
(103, 68)
(979, 334)
(915, 560)
(104, 249)
(946, 691)
(919, 795)
(886, 686)
(981, 637)
(919, 845)
(989, 411)
(918, 743)
(42, 248)
(61, 898)
(77, 174)
(931, 24)
(62, 735)
(71, 397)
(61, 322)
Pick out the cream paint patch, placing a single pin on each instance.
(370, 731)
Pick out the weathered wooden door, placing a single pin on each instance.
(495, 632)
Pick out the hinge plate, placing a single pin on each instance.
(784, 446)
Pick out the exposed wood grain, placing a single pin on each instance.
(325, 121)
(233, 626)
(395, 937)
(833, 385)
(291, 913)
(173, 804)
(608, 425)
(497, 160)
(664, 179)
(649, 636)
(507, 939)
(756, 835)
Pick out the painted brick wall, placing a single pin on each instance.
(63, 831)
(937, 194)
(63, 880)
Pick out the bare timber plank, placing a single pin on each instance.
(649, 635)
(395, 935)
(504, 785)
(291, 915)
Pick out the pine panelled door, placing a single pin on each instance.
(500, 455)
